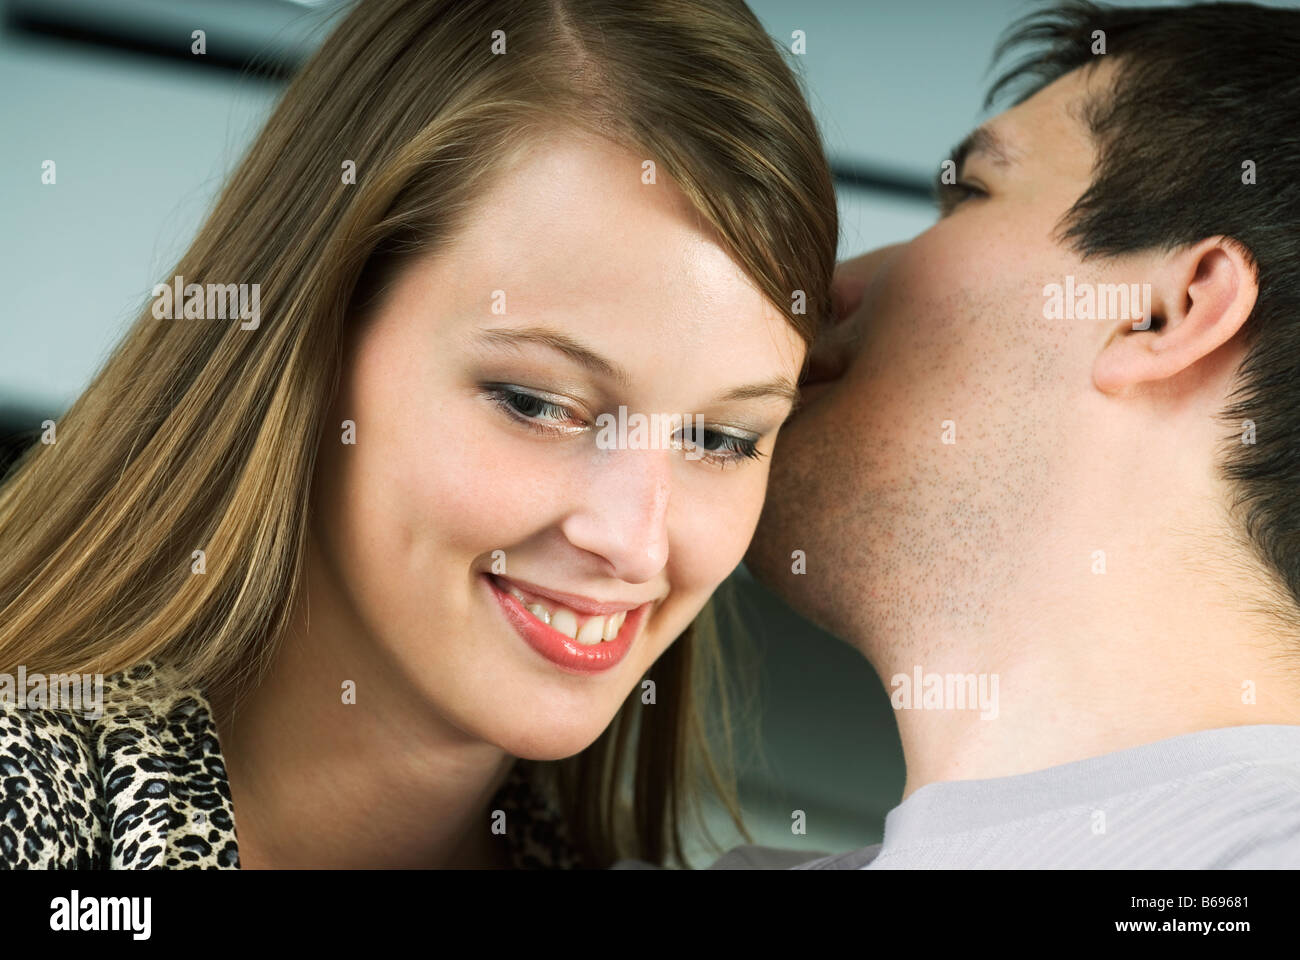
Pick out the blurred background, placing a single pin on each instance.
(143, 133)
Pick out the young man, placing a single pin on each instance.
(1049, 481)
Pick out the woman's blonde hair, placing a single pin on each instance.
(200, 434)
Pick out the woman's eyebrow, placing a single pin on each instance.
(565, 344)
(779, 387)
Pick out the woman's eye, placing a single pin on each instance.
(532, 408)
(718, 446)
(547, 417)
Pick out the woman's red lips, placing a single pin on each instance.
(562, 650)
(573, 601)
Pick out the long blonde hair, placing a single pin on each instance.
(201, 434)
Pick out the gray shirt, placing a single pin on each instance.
(1212, 799)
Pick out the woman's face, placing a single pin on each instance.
(480, 499)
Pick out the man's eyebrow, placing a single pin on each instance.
(780, 387)
(987, 141)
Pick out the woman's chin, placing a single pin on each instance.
(545, 745)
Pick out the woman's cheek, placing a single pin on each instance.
(718, 529)
(485, 485)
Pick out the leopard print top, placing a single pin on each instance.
(144, 787)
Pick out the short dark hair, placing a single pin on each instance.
(1199, 90)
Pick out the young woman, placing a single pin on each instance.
(366, 572)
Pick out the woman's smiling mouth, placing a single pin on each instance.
(574, 633)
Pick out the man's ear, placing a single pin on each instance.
(848, 286)
(853, 276)
(1201, 296)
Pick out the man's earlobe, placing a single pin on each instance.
(853, 276)
(1201, 297)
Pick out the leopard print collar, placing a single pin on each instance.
(144, 786)
(141, 786)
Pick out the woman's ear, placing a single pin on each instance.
(1201, 295)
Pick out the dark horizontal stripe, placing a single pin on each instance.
(173, 49)
(17, 433)
(865, 177)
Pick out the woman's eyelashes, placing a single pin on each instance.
(549, 415)
(734, 447)
(537, 411)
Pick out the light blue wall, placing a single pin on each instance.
(140, 151)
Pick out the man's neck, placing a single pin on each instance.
(1049, 681)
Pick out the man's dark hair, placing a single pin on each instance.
(1200, 90)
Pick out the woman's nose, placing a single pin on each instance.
(623, 516)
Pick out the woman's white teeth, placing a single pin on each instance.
(565, 622)
(591, 631)
(594, 630)
(613, 624)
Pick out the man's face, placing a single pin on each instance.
(914, 481)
